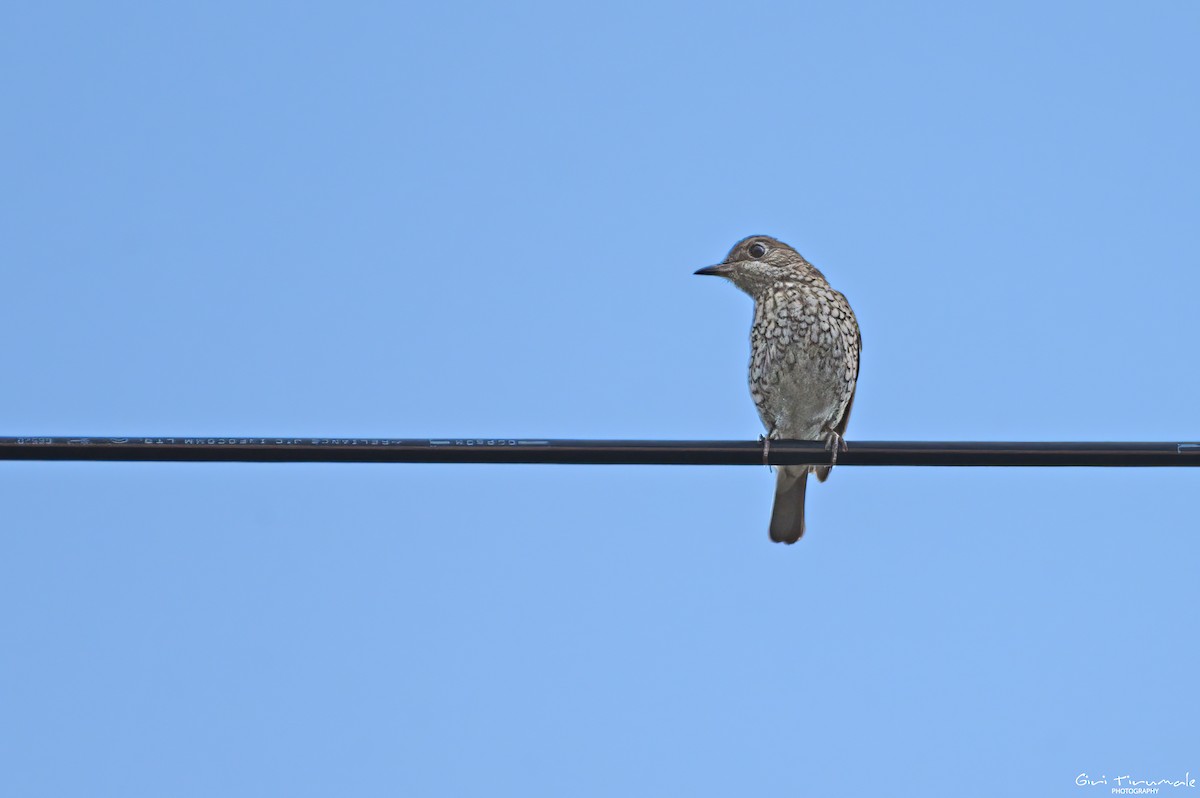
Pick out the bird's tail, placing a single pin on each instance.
(787, 517)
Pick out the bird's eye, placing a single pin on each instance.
(757, 250)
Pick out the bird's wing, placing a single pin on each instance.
(841, 425)
(823, 473)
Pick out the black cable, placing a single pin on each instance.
(523, 450)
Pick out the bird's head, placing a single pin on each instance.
(757, 262)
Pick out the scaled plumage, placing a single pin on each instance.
(804, 352)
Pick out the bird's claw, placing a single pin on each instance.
(835, 443)
(765, 440)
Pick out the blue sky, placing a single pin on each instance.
(467, 219)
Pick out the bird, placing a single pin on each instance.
(804, 353)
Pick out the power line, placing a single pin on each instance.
(530, 450)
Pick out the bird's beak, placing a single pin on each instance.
(720, 270)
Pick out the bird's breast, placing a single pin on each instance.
(801, 364)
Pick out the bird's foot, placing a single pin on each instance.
(765, 440)
(835, 443)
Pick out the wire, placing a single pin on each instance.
(522, 450)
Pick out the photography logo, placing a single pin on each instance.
(1128, 784)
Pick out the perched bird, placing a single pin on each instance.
(804, 349)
